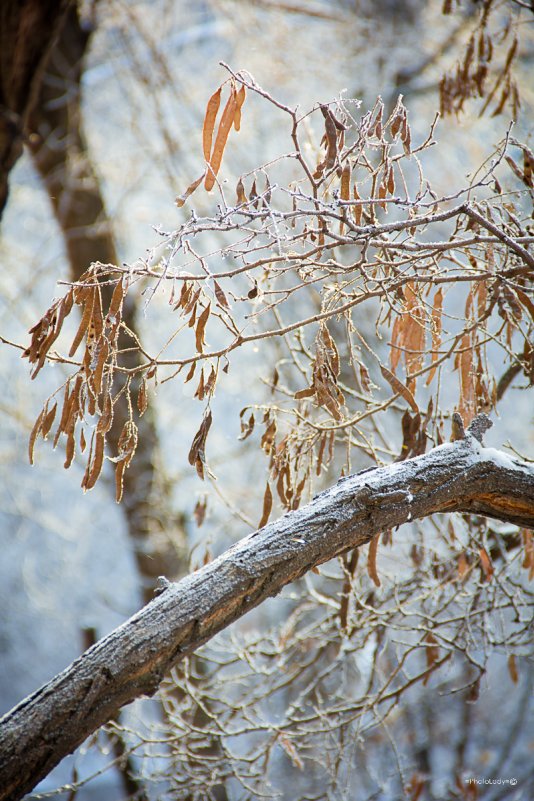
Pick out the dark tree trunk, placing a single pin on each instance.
(28, 31)
(62, 158)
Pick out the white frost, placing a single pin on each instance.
(504, 460)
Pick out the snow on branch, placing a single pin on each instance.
(461, 476)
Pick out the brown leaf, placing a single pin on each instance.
(371, 560)
(191, 372)
(200, 329)
(410, 431)
(220, 142)
(96, 323)
(331, 137)
(240, 99)
(69, 448)
(212, 110)
(463, 566)
(103, 352)
(432, 654)
(267, 439)
(397, 341)
(185, 296)
(199, 512)
(246, 427)
(414, 334)
(267, 506)
(35, 433)
(437, 311)
(95, 468)
(526, 301)
(106, 418)
(197, 455)
(528, 167)
(391, 181)
(126, 449)
(399, 387)
(240, 192)
(365, 378)
(304, 393)
(199, 394)
(219, 294)
(142, 397)
(48, 420)
(485, 561)
(127, 443)
(64, 413)
(358, 208)
(180, 199)
(209, 386)
(512, 669)
(119, 478)
(116, 300)
(84, 322)
(464, 363)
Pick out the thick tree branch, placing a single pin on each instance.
(131, 661)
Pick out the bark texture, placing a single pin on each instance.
(28, 30)
(131, 661)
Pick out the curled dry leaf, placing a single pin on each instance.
(126, 447)
(240, 192)
(197, 452)
(180, 199)
(247, 427)
(330, 136)
(268, 438)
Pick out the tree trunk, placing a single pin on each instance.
(28, 30)
(62, 158)
(131, 661)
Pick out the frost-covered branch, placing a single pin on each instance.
(461, 476)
